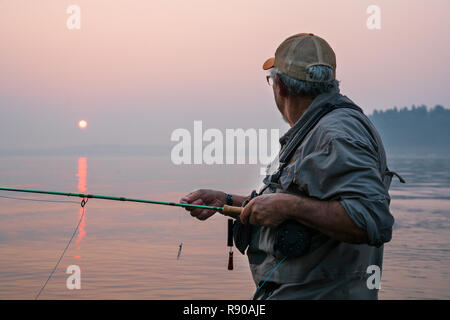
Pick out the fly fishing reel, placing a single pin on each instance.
(292, 239)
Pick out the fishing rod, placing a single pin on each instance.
(231, 211)
(225, 210)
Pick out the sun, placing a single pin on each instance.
(82, 124)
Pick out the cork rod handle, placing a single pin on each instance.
(231, 211)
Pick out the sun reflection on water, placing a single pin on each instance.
(82, 188)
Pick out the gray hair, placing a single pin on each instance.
(309, 88)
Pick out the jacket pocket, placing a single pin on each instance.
(287, 178)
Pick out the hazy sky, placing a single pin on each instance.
(137, 70)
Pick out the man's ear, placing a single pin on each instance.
(283, 91)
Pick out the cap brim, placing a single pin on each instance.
(269, 63)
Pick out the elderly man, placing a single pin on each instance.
(329, 195)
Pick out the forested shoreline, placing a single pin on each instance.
(415, 130)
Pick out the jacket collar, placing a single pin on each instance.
(333, 97)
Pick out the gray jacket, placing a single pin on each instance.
(342, 158)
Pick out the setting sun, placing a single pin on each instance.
(82, 124)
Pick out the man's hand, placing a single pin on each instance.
(270, 210)
(329, 217)
(204, 197)
(267, 210)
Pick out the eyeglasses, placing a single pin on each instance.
(269, 79)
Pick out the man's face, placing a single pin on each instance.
(279, 99)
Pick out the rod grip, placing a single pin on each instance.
(231, 211)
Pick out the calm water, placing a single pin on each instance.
(128, 251)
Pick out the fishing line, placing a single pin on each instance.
(83, 203)
(268, 277)
(39, 200)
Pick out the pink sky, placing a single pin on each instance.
(201, 59)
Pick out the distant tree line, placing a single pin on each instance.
(415, 130)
